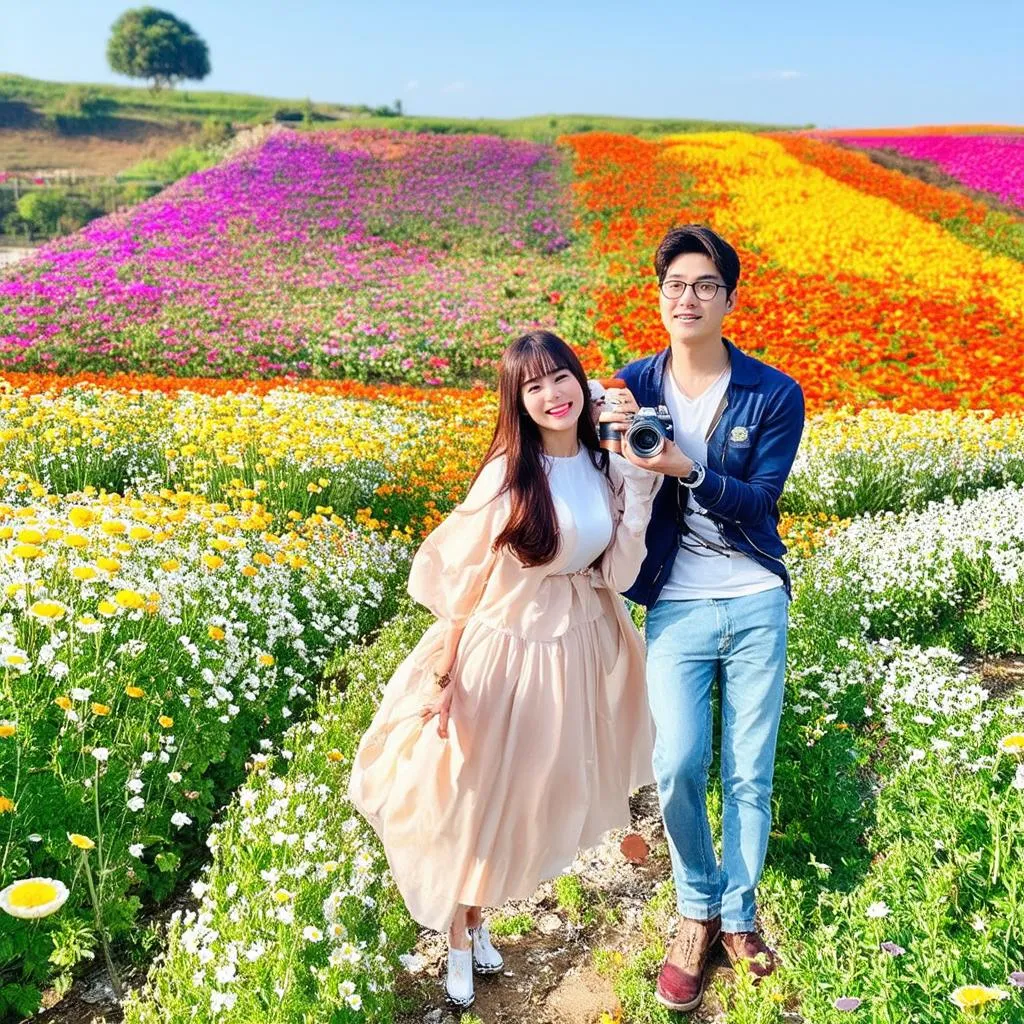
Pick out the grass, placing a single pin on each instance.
(504, 925)
(180, 104)
(547, 127)
(574, 899)
(195, 105)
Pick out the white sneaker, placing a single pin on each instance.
(486, 959)
(458, 985)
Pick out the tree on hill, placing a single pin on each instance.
(149, 43)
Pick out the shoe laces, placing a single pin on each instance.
(687, 946)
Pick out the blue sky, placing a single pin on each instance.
(866, 64)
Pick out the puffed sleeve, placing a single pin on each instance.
(450, 570)
(634, 498)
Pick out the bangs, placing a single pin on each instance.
(537, 362)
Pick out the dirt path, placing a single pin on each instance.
(549, 975)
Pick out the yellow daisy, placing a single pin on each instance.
(967, 997)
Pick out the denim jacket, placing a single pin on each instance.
(750, 453)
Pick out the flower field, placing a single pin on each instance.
(361, 255)
(988, 163)
(228, 415)
(861, 298)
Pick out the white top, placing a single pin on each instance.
(580, 493)
(699, 572)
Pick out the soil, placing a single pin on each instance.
(28, 143)
(1002, 675)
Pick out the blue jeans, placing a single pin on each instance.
(741, 641)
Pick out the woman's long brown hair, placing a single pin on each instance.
(532, 529)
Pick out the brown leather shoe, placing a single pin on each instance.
(684, 974)
(749, 946)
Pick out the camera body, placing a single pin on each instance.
(650, 429)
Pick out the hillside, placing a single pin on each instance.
(103, 129)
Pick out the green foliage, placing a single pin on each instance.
(57, 210)
(501, 925)
(44, 209)
(143, 851)
(1001, 234)
(150, 43)
(179, 163)
(192, 106)
(575, 900)
(79, 108)
(215, 132)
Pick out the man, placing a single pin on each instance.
(717, 596)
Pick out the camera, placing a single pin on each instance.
(608, 435)
(650, 429)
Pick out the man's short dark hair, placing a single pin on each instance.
(701, 239)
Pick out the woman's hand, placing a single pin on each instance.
(620, 408)
(440, 706)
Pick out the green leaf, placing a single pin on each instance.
(167, 861)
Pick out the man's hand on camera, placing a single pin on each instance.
(671, 460)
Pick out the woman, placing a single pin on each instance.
(534, 668)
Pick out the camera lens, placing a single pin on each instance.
(646, 440)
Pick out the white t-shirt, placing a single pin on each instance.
(579, 491)
(700, 572)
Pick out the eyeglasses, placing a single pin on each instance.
(674, 288)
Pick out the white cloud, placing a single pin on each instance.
(412, 85)
(778, 76)
(453, 87)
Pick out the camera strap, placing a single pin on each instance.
(686, 538)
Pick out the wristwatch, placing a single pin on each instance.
(695, 477)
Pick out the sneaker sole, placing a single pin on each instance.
(694, 1003)
(682, 1007)
(484, 969)
(459, 1004)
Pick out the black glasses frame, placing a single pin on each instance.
(687, 284)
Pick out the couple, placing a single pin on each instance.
(535, 671)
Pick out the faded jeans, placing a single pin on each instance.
(741, 642)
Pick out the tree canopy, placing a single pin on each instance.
(149, 43)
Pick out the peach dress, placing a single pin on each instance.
(550, 729)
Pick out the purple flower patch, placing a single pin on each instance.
(355, 254)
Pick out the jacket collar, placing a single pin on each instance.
(745, 372)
